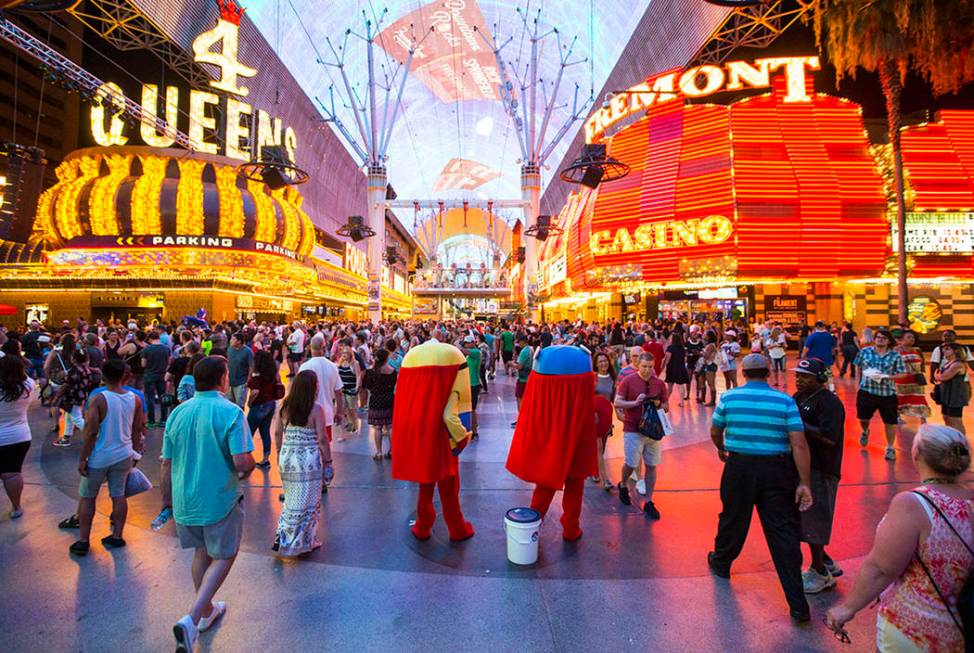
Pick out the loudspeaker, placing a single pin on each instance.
(23, 170)
(522, 254)
(593, 176)
(544, 221)
(595, 151)
(275, 178)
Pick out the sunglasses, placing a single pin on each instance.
(841, 634)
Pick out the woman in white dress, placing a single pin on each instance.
(303, 454)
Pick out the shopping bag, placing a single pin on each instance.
(136, 483)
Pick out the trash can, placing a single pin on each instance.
(523, 526)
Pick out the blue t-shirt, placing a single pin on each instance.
(757, 419)
(820, 345)
(202, 436)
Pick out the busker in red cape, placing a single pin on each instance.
(430, 427)
(553, 445)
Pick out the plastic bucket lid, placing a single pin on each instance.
(523, 515)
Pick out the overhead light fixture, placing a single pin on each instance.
(543, 228)
(355, 229)
(274, 168)
(594, 166)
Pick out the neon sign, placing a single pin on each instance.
(712, 230)
(701, 81)
(240, 122)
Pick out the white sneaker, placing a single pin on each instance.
(219, 608)
(186, 634)
(814, 582)
(641, 487)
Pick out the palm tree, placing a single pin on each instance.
(891, 37)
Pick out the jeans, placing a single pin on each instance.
(259, 419)
(155, 387)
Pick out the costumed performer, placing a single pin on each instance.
(431, 426)
(553, 445)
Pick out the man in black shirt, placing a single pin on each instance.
(824, 416)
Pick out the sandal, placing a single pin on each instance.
(377, 457)
(70, 522)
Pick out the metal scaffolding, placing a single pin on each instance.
(755, 26)
(123, 24)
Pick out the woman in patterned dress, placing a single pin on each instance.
(909, 394)
(922, 554)
(303, 454)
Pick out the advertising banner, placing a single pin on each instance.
(454, 61)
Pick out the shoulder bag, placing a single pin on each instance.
(965, 600)
(650, 424)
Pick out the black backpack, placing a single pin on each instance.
(965, 600)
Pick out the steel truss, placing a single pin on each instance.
(86, 83)
(755, 26)
(125, 26)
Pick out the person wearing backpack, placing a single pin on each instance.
(921, 560)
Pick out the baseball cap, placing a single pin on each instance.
(468, 338)
(730, 332)
(754, 362)
(810, 366)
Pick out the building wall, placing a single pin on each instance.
(877, 305)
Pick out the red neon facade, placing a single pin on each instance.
(939, 161)
(795, 180)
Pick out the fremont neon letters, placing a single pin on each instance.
(701, 81)
(712, 230)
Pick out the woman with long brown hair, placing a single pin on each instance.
(16, 389)
(303, 455)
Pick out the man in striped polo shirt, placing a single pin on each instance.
(760, 437)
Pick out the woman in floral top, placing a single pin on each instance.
(909, 394)
(922, 554)
(72, 395)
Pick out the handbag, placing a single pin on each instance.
(137, 483)
(937, 395)
(965, 599)
(168, 400)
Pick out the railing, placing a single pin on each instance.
(462, 279)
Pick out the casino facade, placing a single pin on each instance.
(771, 205)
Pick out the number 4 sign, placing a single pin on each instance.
(226, 34)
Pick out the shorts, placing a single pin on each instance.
(948, 411)
(221, 540)
(508, 356)
(296, 358)
(636, 446)
(868, 403)
(778, 364)
(816, 522)
(115, 474)
(519, 388)
(474, 396)
(12, 457)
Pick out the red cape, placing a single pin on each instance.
(553, 439)
(420, 442)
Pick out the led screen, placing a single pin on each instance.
(452, 137)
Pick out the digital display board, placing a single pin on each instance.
(937, 233)
(451, 108)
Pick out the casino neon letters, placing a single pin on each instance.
(711, 230)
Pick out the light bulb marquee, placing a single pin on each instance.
(243, 129)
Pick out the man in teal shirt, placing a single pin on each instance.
(205, 454)
(474, 360)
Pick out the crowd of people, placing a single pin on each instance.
(210, 389)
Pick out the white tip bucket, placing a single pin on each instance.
(523, 526)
